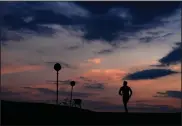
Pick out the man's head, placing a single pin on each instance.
(125, 83)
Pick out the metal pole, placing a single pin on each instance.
(57, 89)
(71, 95)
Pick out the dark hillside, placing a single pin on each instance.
(39, 113)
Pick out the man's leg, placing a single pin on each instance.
(125, 101)
(125, 107)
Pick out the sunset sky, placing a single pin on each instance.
(98, 44)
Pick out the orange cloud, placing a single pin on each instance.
(176, 67)
(85, 64)
(96, 71)
(95, 60)
(154, 62)
(17, 69)
(105, 74)
(90, 62)
(114, 71)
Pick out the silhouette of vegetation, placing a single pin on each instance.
(77, 102)
(65, 102)
(74, 102)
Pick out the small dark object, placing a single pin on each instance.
(77, 102)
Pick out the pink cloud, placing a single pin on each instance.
(95, 60)
(90, 62)
(17, 69)
(105, 74)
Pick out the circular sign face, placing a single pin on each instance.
(57, 67)
(72, 83)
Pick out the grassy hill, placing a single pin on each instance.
(47, 114)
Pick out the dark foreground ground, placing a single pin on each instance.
(37, 113)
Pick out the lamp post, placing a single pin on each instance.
(57, 67)
(72, 83)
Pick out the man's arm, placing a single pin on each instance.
(131, 92)
(120, 91)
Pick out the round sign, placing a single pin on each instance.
(57, 67)
(72, 83)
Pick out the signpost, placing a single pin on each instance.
(72, 83)
(57, 68)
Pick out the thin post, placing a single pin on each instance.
(57, 67)
(72, 83)
(57, 88)
(71, 95)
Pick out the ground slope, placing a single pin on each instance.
(47, 114)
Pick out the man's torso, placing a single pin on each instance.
(125, 90)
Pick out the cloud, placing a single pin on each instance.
(42, 90)
(155, 33)
(95, 60)
(7, 92)
(6, 35)
(92, 84)
(123, 13)
(68, 9)
(95, 86)
(74, 47)
(14, 93)
(85, 79)
(63, 64)
(147, 39)
(45, 51)
(90, 62)
(61, 93)
(106, 51)
(16, 69)
(97, 28)
(149, 74)
(167, 35)
(64, 82)
(83, 17)
(104, 75)
(172, 94)
(26, 31)
(119, 19)
(155, 36)
(172, 57)
(41, 13)
(158, 65)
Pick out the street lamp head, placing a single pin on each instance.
(72, 83)
(57, 67)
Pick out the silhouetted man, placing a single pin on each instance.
(126, 92)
